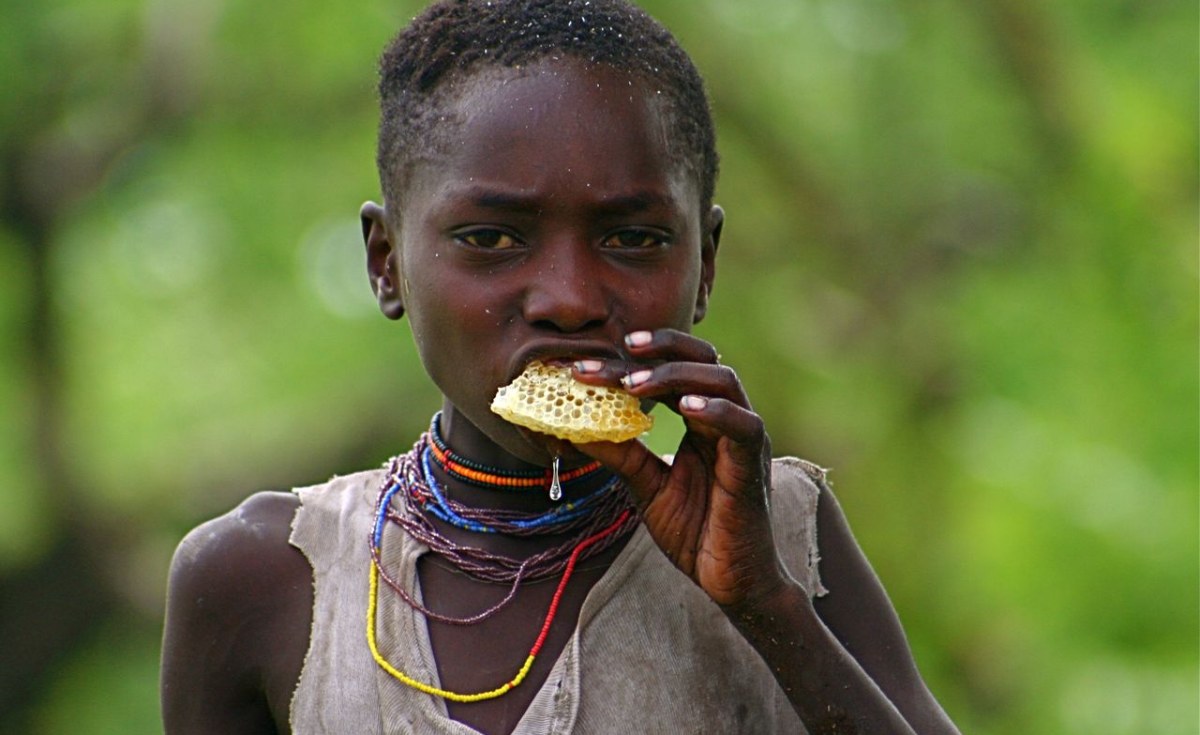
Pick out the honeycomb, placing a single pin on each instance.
(547, 399)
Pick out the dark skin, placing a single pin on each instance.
(560, 226)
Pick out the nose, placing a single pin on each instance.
(566, 291)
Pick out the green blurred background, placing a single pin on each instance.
(960, 268)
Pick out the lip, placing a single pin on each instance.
(561, 351)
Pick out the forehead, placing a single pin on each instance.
(552, 126)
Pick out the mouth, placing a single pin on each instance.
(562, 353)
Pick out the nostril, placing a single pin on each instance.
(564, 307)
(569, 292)
(567, 326)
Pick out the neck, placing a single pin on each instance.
(467, 441)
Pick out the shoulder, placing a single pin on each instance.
(232, 552)
(796, 488)
(796, 485)
(343, 493)
(811, 472)
(238, 611)
(801, 494)
(333, 515)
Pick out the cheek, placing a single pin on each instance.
(683, 296)
(456, 318)
(444, 319)
(429, 309)
(662, 304)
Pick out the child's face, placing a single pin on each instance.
(556, 224)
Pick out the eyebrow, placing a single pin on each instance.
(487, 198)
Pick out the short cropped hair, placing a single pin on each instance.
(453, 39)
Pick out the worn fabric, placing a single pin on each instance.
(651, 652)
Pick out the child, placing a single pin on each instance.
(547, 170)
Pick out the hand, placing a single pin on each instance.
(707, 510)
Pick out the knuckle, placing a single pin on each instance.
(666, 337)
(758, 427)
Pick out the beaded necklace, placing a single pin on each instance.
(383, 663)
(410, 495)
(412, 515)
(461, 468)
(430, 498)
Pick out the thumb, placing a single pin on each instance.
(643, 470)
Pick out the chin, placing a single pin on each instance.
(549, 447)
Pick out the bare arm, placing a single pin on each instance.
(238, 611)
(865, 623)
(707, 511)
(845, 653)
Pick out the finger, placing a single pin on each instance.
(740, 431)
(643, 471)
(676, 379)
(647, 349)
(670, 344)
(715, 417)
(673, 509)
(596, 371)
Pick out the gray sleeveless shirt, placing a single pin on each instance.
(651, 652)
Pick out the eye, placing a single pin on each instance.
(635, 240)
(488, 239)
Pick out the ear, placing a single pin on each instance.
(708, 260)
(381, 260)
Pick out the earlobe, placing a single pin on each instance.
(713, 224)
(381, 260)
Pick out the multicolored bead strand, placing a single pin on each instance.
(556, 520)
(551, 612)
(466, 470)
(411, 496)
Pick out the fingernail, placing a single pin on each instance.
(588, 366)
(693, 403)
(638, 339)
(641, 376)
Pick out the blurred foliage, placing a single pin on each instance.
(960, 267)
